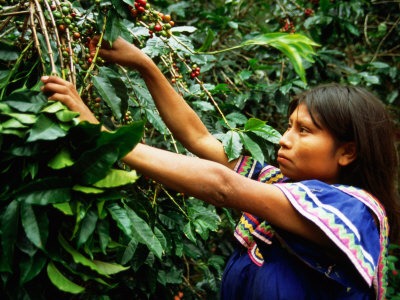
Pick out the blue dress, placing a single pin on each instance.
(270, 263)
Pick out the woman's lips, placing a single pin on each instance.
(281, 158)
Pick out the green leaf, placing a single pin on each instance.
(125, 138)
(36, 225)
(65, 208)
(12, 124)
(103, 268)
(117, 178)
(114, 26)
(232, 144)
(103, 231)
(208, 41)
(8, 52)
(109, 268)
(45, 129)
(112, 90)
(66, 116)
(203, 218)
(87, 189)
(93, 165)
(188, 231)
(121, 217)
(30, 267)
(26, 119)
(61, 160)
(88, 225)
(45, 191)
(235, 119)
(54, 107)
(62, 282)
(27, 101)
(263, 130)
(154, 118)
(295, 46)
(144, 234)
(254, 124)
(252, 147)
(9, 235)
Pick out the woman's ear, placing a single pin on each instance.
(348, 153)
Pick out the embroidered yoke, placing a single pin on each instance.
(343, 213)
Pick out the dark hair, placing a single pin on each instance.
(354, 114)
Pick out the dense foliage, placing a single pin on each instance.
(76, 222)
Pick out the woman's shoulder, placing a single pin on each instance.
(337, 195)
(352, 219)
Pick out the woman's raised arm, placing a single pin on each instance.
(179, 117)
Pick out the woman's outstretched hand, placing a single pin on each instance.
(120, 52)
(58, 89)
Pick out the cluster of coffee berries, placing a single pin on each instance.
(64, 17)
(158, 23)
(140, 7)
(308, 12)
(176, 75)
(182, 65)
(195, 71)
(288, 26)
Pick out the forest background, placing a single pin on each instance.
(75, 223)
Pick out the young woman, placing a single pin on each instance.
(317, 227)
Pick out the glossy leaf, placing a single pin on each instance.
(45, 191)
(112, 90)
(26, 101)
(296, 47)
(232, 144)
(117, 178)
(30, 267)
(45, 129)
(109, 268)
(8, 52)
(12, 123)
(253, 147)
(87, 189)
(9, 234)
(120, 216)
(61, 281)
(36, 225)
(61, 160)
(124, 138)
(27, 119)
(102, 268)
(144, 234)
(188, 231)
(263, 130)
(87, 227)
(95, 164)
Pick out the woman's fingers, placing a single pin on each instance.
(60, 90)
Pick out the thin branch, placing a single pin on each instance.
(384, 38)
(366, 30)
(46, 36)
(34, 33)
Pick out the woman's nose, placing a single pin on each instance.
(285, 139)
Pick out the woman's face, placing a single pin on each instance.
(308, 152)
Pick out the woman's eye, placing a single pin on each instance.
(303, 129)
